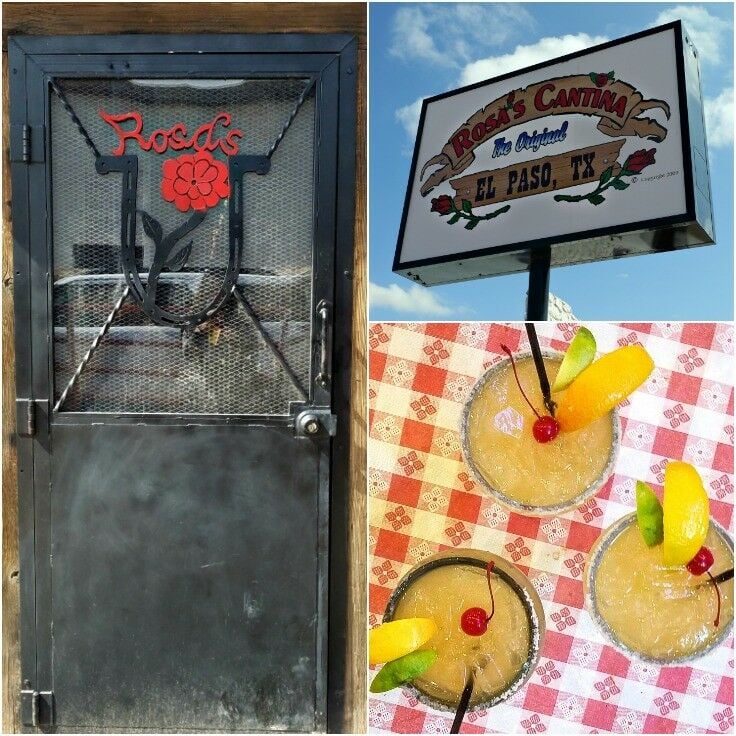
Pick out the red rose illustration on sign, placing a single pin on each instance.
(640, 160)
(612, 179)
(601, 79)
(442, 204)
(196, 181)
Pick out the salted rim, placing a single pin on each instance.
(512, 503)
(603, 542)
(527, 596)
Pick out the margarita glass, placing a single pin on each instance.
(499, 446)
(502, 658)
(653, 612)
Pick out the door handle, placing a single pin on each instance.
(325, 342)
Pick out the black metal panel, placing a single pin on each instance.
(184, 592)
(23, 377)
(148, 541)
(340, 602)
(130, 44)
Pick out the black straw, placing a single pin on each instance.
(722, 577)
(463, 706)
(531, 332)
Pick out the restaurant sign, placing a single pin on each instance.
(599, 155)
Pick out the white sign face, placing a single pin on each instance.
(587, 145)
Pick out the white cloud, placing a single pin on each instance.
(408, 116)
(707, 31)
(411, 39)
(450, 35)
(523, 56)
(719, 119)
(415, 299)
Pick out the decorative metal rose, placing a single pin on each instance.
(195, 181)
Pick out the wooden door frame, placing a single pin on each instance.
(70, 19)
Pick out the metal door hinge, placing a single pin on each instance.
(29, 412)
(27, 143)
(37, 708)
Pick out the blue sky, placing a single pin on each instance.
(418, 50)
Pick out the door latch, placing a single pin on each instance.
(325, 343)
(313, 422)
(37, 708)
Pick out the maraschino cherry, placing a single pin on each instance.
(474, 621)
(546, 428)
(701, 563)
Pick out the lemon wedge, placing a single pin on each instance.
(686, 513)
(397, 638)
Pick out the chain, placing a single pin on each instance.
(95, 343)
(287, 125)
(75, 119)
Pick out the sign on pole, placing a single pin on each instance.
(596, 155)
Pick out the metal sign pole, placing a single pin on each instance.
(538, 296)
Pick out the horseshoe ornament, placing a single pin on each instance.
(238, 166)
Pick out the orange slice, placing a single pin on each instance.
(396, 638)
(686, 513)
(602, 385)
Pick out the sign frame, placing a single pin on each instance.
(690, 228)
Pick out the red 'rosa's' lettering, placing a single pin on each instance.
(503, 117)
(203, 139)
(229, 145)
(177, 137)
(163, 144)
(479, 132)
(519, 109)
(461, 142)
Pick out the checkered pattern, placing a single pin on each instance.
(423, 500)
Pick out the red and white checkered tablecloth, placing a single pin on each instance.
(423, 499)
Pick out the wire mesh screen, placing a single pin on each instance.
(224, 366)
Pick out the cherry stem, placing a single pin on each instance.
(718, 593)
(489, 570)
(518, 383)
(531, 332)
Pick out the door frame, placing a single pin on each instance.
(32, 60)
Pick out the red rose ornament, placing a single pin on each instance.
(195, 181)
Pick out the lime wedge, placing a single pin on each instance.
(579, 356)
(649, 515)
(401, 670)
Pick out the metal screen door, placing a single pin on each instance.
(182, 212)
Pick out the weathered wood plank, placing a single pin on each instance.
(356, 687)
(98, 18)
(10, 580)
